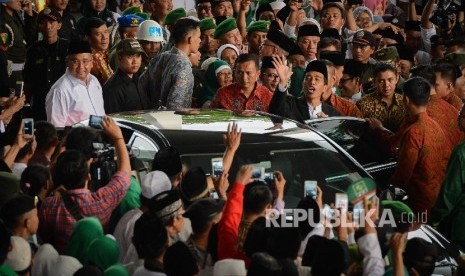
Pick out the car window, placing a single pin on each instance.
(356, 138)
(300, 162)
(144, 149)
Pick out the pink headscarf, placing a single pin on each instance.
(376, 6)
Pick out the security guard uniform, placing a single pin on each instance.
(21, 34)
(44, 66)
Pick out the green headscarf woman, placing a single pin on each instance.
(219, 74)
(103, 252)
(85, 232)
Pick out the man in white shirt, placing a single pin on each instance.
(77, 94)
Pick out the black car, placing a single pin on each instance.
(302, 152)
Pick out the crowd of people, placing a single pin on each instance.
(401, 69)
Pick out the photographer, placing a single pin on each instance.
(58, 215)
(448, 21)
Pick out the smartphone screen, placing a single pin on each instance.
(96, 121)
(310, 188)
(341, 202)
(217, 166)
(358, 211)
(258, 172)
(268, 176)
(214, 194)
(19, 88)
(28, 128)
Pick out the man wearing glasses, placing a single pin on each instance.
(276, 43)
(351, 81)
(204, 9)
(77, 94)
(269, 76)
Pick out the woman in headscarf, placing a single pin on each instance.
(44, 260)
(219, 74)
(228, 53)
(85, 232)
(364, 19)
(96, 8)
(103, 252)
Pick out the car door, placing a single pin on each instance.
(354, 136)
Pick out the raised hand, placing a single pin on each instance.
(284, 71)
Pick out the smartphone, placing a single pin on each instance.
(341, 201)
(217, 166)
(28, 128)
(258, 173)
(310, 188)
(96, 121)
(269, 176)
(19, 89)
(214, 194)
(358, 211)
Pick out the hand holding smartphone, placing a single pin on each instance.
(19, 89)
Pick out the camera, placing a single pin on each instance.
(104, 167)
(445, 13)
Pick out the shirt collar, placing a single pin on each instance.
(314, 111)
(124, 77)
(355, 97)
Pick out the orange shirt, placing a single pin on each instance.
(421, 165)
(446, 116)
(345, 107)
(454, 100)
(231, 97)
(101, 68)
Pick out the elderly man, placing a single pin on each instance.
(276, 43)
(308, 39)
(77, 94)
(227, 33)
(209, 44)
(246, 93)
(309, 106)
(168, 80)
(268, 74)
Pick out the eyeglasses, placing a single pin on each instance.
(271, 76)
(346, 79)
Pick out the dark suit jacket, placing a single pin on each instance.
(295, 108)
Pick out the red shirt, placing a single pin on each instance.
(422, 162)
(345, 107)
(57, 223)
(231, 97)
(228, 227)
(454, 100)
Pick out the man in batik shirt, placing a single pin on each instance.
(97, 34)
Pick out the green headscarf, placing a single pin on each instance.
(86, 230)
(211, 82)
(103, 252)
(116, 270)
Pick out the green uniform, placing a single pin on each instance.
(449, 211)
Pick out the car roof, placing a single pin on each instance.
(201, 122)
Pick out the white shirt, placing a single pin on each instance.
(18, 169)
(123, 234)
(314, 111)
(70, 100)
(426, 35)
(356, 97)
